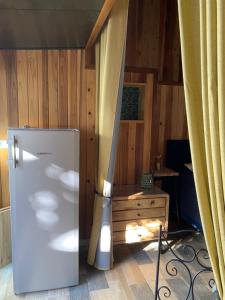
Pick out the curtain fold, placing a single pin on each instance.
(202, 31)
(110, 53)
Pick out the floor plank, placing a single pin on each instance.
(139, 255)
(142, 291)
(96, 279)
(81, 291)
(132, 277)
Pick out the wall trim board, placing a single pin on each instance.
(104, 13)
(171, 83)
(133, 69)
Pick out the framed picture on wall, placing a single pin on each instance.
(132, 102)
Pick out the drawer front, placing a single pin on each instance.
(136, 235)
(138, 214)
(136, 204)
(131, 225)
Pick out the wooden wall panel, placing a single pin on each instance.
(126, 163)
(170, 65)
(5, 237)
(53, 87)
(43, 107)
(120, 176)
(22, 84)
(90, 146)
(143, 35)
(41, 88)
(134, 147)
(141, 141)
(3, 133)
(170, 122)
(63, 89)
(33, 87)
(148, 107)
(74, 60)
(153, 39)
(11, 86)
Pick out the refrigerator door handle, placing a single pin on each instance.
(14, 152)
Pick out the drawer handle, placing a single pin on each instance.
(139, 214)
(152, 202)
(139, 204)
(139, 234)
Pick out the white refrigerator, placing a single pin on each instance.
(44, 195)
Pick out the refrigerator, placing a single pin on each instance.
(44, 196)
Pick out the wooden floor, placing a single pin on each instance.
(133, 277)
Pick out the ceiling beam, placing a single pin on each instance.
(105, 11)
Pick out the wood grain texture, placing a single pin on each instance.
(104, 13)
(91, 145)
(143, 33)
(171, 56)
(131, 153)
(134, 224)
(170, 122)
(63, 89)
(53, 87)
(5, 237)
(22, 84)
(41, 88)
(153, 39)
(33, 84)
(134, 147)
(135, 204)
(4, 121)
(142, 140)
(133, 192)
(148, 103)
(138, 214)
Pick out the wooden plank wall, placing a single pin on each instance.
(153, 46)
(166, 120)
(169, 118)
(134, 148)
(5, 237)
(153, 39)
(52, 89)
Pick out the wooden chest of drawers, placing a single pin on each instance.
(137, 213)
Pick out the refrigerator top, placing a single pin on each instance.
(44, 129)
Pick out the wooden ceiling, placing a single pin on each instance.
(29, 24)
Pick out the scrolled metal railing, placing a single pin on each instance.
(172, 266)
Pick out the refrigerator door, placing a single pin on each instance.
(44, 192)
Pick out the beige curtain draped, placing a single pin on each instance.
(109, 76)
(202, 30)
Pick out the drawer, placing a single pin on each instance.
(139, 234)
(136, 204)
(134, 224)
(138, 214)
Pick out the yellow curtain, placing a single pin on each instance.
(109, 73)
(202, 31)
